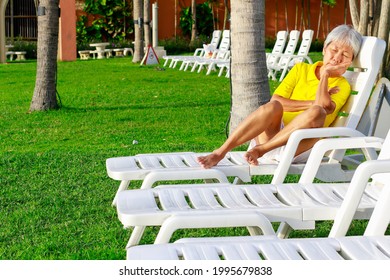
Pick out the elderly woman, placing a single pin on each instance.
(310, 96)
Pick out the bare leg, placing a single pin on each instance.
(311, 118)
(265, 119)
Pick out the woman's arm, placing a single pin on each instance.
(323, 93)
(290, 105)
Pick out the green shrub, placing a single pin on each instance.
(316, 45)
(111, 21)
(113, 45)
(182, 45)
(204, 20)
(30, 47)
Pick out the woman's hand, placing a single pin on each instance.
(335, 70)
(333, 90)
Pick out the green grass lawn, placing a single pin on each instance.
(55, 195)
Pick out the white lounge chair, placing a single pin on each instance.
(223, 47)
(268, 248)
(151, 168)
(280, 45)
(286, 61)
(373, 245)
(299, 205)
(274, 59)
(199, 52)
(222, 66)
(221, 57)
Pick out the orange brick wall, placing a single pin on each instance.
(275, 16)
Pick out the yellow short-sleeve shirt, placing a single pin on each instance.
(301, 83)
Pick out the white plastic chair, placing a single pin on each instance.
(296, 205)
(280, 43)
(152, 168)
(221, 57)
(286, 61)
(223, 47)
(199, 52)
(274, 59)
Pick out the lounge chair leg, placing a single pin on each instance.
(283, 230)
(253, 231)
(237, 181)
(124, 185)
(135, 236)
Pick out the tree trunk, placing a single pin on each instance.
(147, 26)
(45, 92)
(319, 20)
(383, 33)
(194, 31)
(249, 79)
(363, 20)
(226, 17)
(286, 15)
(376, 17)
(138, 32)
(354, 13)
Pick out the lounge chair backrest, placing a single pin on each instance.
(380, 218)
(384, 154)
(307, 37)
(280, 43)
(216, 38)
(291, 46)
(361, 76)
(374, 121)
(225, 42)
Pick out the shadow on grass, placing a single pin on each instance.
(141, 106)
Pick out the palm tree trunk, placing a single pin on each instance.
(354, 13)
(383, 33)
(45, 92)
(194, 31)
(249, 79)
(286, 15)
(363, 23)
(226, 16)
(147, 30)
(138, 32)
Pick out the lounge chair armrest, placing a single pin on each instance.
(301, 134)
(213, 220)
(198, 52)
(180, 174)
(304, 57)
(325, 145)
(352, 198)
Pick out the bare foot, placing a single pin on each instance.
(252, 155)
(210, 160)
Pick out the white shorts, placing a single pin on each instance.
(276, 154)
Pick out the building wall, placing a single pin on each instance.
(298, 17)
(67, 37)
(306, 17)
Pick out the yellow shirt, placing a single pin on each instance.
(301, 83)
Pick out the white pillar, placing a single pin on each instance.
(155, 25)
(160, 52)
(3, 5)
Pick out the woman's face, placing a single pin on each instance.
(337, 54)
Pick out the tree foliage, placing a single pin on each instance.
(204, 20)
(112, 21)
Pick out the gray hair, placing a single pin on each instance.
(345, 34)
